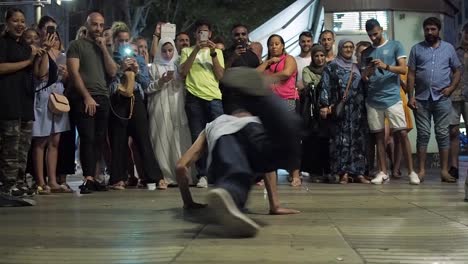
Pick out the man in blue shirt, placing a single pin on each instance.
(383, 62)
(434, 73)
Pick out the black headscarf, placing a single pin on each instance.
(314, 67)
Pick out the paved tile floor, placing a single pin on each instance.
(354, 223)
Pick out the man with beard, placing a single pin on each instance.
(90, 63)
(303, 59)
(383, 62)
(240, 54)
(182, 41)
(327, 40)
(434, 73)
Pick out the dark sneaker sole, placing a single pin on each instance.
(226, 213)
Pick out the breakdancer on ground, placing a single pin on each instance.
(260, 138)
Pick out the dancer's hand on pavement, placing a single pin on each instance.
(283, 211)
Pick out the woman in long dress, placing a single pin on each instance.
(169, 129)
(349, 132)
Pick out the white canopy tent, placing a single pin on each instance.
(302, 15)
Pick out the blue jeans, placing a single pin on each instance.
(199, 113)
(441, 112)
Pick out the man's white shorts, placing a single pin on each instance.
(395, 115)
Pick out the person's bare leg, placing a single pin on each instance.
(52, 157)
(422, 153)
(444, 174)
(273, 199)
(397, 155)
(389, 146)
(454, 145)
(371, 154)
(381, 157)
(406, 149)
(296, 178)
(39, 145)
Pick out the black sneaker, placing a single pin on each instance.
(453, 172)
(26, 190)
(98, 187)
(11, 201)
(87, 187)
(16, 191)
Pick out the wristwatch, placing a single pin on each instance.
(213, 54)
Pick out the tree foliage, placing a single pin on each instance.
(143, 15)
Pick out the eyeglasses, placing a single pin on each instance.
(240, 34)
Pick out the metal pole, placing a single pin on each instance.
(37, 11)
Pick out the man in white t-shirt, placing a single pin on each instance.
(303, 59)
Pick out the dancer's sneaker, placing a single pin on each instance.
(227, 214)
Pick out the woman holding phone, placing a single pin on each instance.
(169, 130)
(50, 72)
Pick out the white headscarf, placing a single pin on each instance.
(158, 59)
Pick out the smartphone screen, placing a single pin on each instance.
(170, 73)
(50, 29)
(204, 35)
(168, 30)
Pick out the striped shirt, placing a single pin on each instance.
(434, 67)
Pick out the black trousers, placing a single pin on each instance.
(257, 147)
(137, 127)
(92, 131)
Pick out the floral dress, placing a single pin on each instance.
(348, 145)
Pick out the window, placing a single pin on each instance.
(356, 21)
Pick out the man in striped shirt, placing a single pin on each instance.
(434, 73)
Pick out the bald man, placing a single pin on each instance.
(90, 65)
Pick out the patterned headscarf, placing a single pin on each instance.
(343, 62)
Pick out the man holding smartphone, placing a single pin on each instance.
(202, 66)
(90, 63)
(382, 64)
(240, 54)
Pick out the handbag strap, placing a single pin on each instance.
(350, 80)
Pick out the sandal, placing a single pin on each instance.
(396, 174)
(66, 188)
(260, 183)
(118, 186)
(362, 179)
(162, 185)
(344, 179)
(43, 190)
(296, 182)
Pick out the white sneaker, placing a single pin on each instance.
(202, 182)
(414, 178)
(380, 178)
(227, 214)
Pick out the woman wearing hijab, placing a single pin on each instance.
(169, 129)
(349, 130)
(315, 146)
